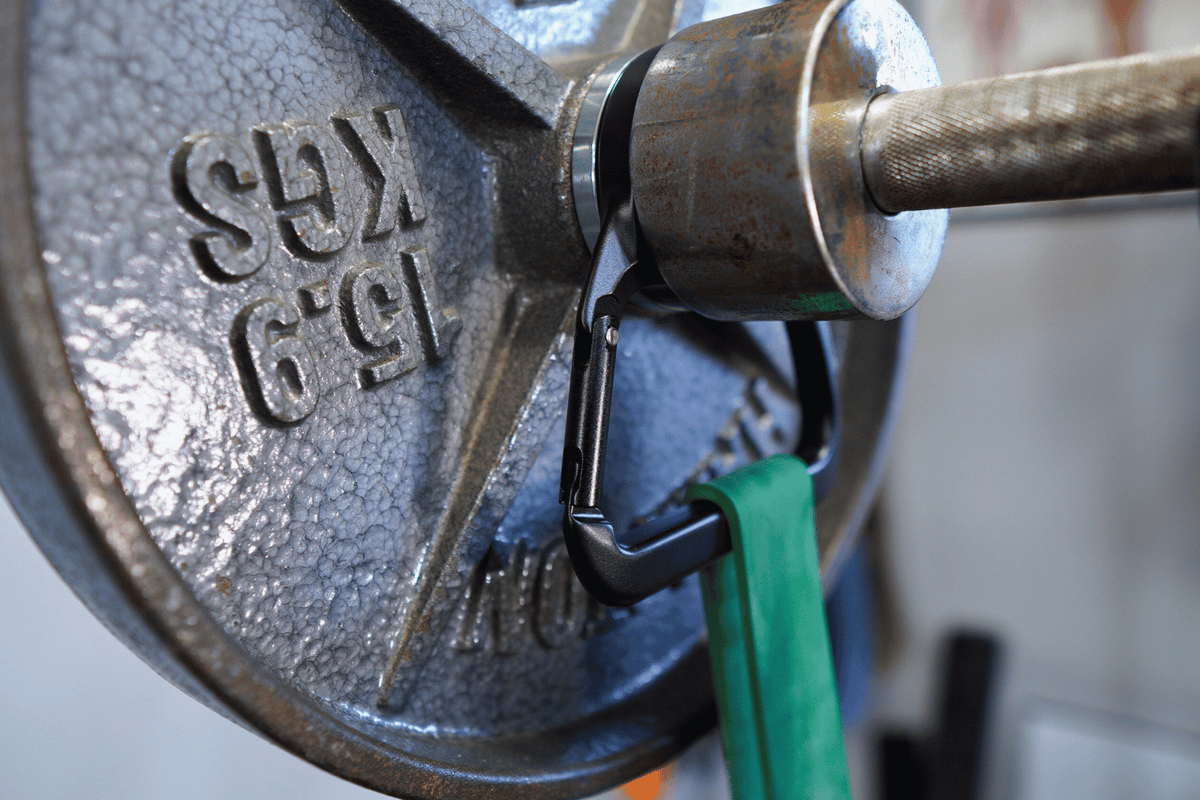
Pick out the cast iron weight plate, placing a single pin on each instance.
(284, 306)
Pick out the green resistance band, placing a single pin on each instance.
(781, 728)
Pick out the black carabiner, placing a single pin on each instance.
(663, 551)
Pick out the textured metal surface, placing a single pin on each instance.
(1114, 127)
(746, 171)
(285, 304)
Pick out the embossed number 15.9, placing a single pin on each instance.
(390, 312)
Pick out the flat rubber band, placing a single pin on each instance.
(781, 727)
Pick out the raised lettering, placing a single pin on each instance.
(215, 180)
(378, 321)
(440, 324)
(277, 366)
(562, 602)
(497, 604)
(305, 168)
(750, 429)
(380, 145)
(391, 312)
(528, 597)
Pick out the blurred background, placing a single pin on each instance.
(1044, 484)
(1043, 495)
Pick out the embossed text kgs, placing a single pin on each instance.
(291, 183)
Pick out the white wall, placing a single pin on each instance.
(1046, 476)
(1045, 479)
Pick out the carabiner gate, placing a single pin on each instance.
(663, 551)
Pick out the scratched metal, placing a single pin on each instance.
(301, 452)
(746, 165)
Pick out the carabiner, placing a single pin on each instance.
(663, 551)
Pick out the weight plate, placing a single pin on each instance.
(285, 294)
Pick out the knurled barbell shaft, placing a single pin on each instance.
(1115, 127)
